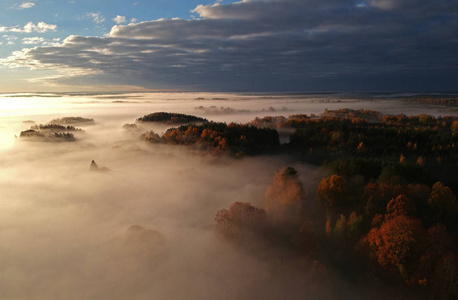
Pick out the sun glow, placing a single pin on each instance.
(16, 110)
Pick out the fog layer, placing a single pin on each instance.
(66, 232)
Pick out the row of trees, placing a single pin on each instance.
(446, 101)
(46, 136)
(236, 139)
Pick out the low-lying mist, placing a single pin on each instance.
(66, 232)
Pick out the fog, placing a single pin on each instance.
(64, 230)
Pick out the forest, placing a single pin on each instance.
(384, 209)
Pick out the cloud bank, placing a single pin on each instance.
(272, 45)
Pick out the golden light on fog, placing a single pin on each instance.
(68, 231)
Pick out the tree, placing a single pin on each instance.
(437, 244)
(240, 219)
(332, 192)
(341, 225)
(401, 205)
(445, 280)
(285, 197)
(377, 197)
(443, 202)
(454, 126)
(393, 242)
(355, 224)
(391, 175)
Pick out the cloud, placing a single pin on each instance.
(276, 44)
(96, 17)
(10, 39)
(40, 27)
(40, 40)
(24, 5)
(119, 19)
(32, 40)
(30, 27)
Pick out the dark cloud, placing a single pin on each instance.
(272, 45)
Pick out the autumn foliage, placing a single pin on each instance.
(285, 197)
(388, 211)
(394, 241)
(401, 205)
(332, 192)
(236, 139)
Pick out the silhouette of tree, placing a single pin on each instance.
(239, 219)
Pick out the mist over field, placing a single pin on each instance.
(66, 232)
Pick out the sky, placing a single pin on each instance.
(234, 46)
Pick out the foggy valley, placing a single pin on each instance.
(141, 225)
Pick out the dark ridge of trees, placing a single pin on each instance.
(72, 120)
(30, 133)
(50, 133)
(396, 149)
(33, 135)
(130, 126)
(354, 116)
(171, 118)
(445, 101)
(236, 139)
(363, 116)
(381, 139)
(220, 110)
(55, 128)
(268, 121)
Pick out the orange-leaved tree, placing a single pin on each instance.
(401, 205)
(394, 242)
(333, 192)
(285, 197)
